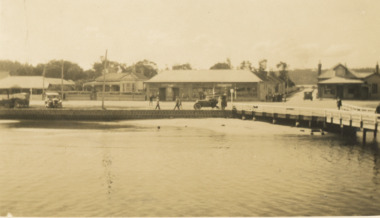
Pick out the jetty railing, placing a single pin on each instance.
(348, 107)
(362, 119)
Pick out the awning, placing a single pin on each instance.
(340, 80)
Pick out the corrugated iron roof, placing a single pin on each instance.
(362, 75)
(28, 82)
(117, 77)
(340, 80)
(186, 76)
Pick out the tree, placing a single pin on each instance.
(245, 65)
(10, 66)
(186, 66)
(71, 71)
(220, 66)
(284, 75)
(263, 65)
(112, 66)
(145, 67)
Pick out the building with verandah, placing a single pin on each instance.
(344, 83)
(198, 84)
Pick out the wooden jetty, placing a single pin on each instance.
(345, 120)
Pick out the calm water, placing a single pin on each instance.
(183, 169)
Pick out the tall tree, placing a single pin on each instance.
(186, 66)
(245, 65)
(263, 65)
(284, 74)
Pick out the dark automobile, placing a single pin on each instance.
(53, 100)
(308, 95)
(17, 100)
(212, 102)
(21, 99)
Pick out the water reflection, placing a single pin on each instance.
(62, 124)
(108, 175)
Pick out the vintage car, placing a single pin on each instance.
(308, 95)
(17, 100)
(53, 100)
(208, 102)
(21, 100)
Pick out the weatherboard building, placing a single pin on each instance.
(197, 84)
(344, 83)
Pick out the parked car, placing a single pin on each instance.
(20, 100)
(53, 100)
(212, 102)
(17, 100)
(308, 95)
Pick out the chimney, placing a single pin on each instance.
(377, 68)
(319, 68)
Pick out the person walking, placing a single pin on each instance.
(158, 103)
(339, 103)
(178, 103)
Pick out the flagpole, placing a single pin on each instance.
(104, 79)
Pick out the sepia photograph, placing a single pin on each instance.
(189, 108)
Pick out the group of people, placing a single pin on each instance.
(275, 97)
(178, 103)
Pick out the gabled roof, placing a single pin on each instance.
(331, 73)
(340, 80)
(221, 76)
(327, 74)
(28, 82)
(117, 77)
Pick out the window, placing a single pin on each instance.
(351, 90)
(374, 88)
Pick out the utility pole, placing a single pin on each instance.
(62, 81)
(104, 79)
(43, 81)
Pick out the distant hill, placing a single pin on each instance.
(304, 76)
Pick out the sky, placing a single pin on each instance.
(200, 32)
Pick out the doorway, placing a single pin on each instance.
(340, 92)
(364, 93)
(175, 93)
(162, 94)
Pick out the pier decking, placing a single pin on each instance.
(343, 119)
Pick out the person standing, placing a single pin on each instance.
(339, 103)
(158, 103)
(377, 109)
(224, 102)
